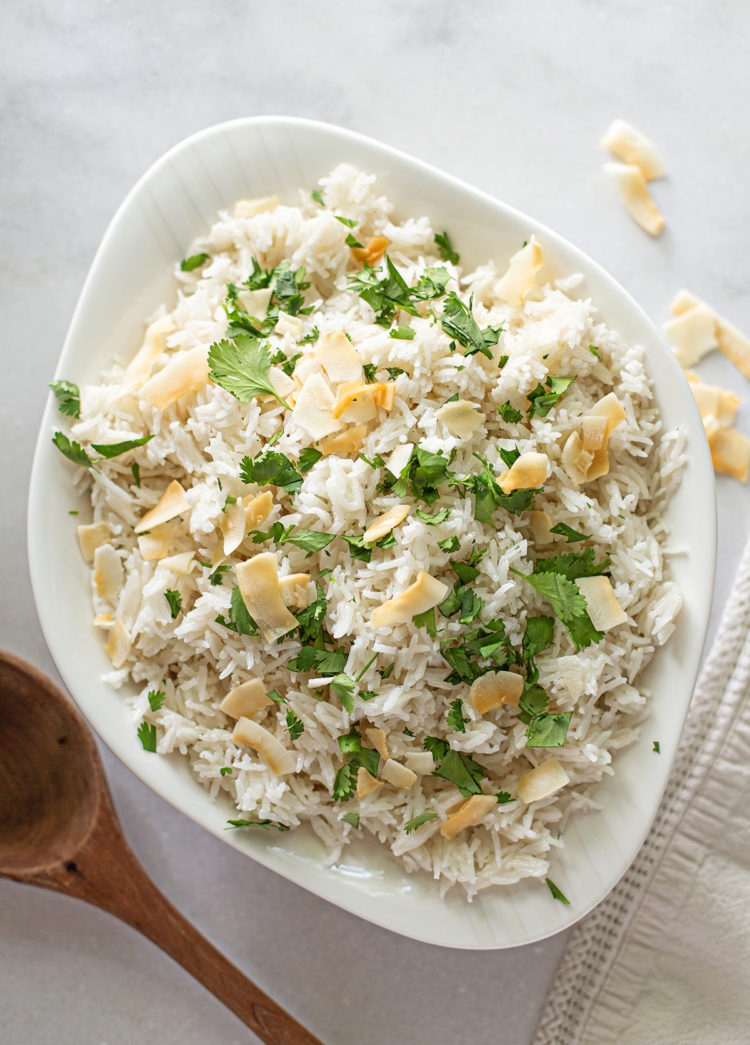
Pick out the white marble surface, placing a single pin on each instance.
(512, 98)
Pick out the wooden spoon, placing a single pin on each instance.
(59, 829)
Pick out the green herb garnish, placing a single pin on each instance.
(194, 262)
(417, 821)
(175, 601)
(558, 895)
(156, 699)
(241, 367)
(68, 397)
(445, 248)
(294, 725)
(147, 736)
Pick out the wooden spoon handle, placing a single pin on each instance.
(106, 873)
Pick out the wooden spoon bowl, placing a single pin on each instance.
(59, 830)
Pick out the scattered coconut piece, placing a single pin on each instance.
(542, 781)
(420, 762)
(397, 774)
(173, 503)
(257, 508)
(90, 537)
(280, 761)
(103, 620)
(399, 458)
(185, 372)
(526, 473)
(260, 589)
(541, 526)
(154, 544)
(385, 523)
(571, 672)
(314, 408)
(244, 700)
(182, 562)
(470, 813)
(294, 590)
(520, 279)
(360, 411)
(692, 335)
(372, 252)
(610, 408)
(636, 197)
(422, 595)
(385, 394)
(496, 688)
(601, 604)
(286, 324)
(576, 460)
(154, 343)
(108, 572)
(282, 384)
(379, 741)
(366, 783)
(258, 205)
(460, 418)
(255, 302)
(731, 342)
(351, 391)
(233, 526)
(712, 400)
(118, 644)
(730, 452)
(346, 442)
(594, 432)
(634, 148)
(339, 358)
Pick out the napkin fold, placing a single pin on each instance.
(666, 956)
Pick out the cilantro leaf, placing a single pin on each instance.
(344, 687)
(503, 797)
(351, 818)
(394, 371)
(548, 730)
(595, 351)
(384, 295)
(68, 397)
(540, 631)
(325, 662)
(476, 652)
(147, 736)
(217, 576)
(344, 783)
(417, 821)
(368, 370)
(567, 602)
(266, 824)
(226, 771)
(241, 367)
(72, 450)
(488, 495)
(558, 895)
(349, 222)
(317, 197)
(445, 248)
(108, 450)
(307, 458)
(402, 333)
(309, 540)
(572, 564)
(431, 284)
(175, 601)
(271, 468)
(542, 398)
(438, 748)
(456, 720)
(458, 322)
(239, 620)
(156, 699)
(311, 617)
(461, 770)
(194, 262)
(433, 520)
(426, 620)
(135, 469)
(509, 413)
(275, 695)
(308, 339)
(656, 747)
(450, 544)
(571, 536)
(294, 725)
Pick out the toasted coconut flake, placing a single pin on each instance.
(422, 595)
(385, 394)
(542, 781)
(602, 606)
(635, 148)
(244, 700)
(233, 527)
(541, 526)
(287, 324)
(258, 205)
(711, 426)
(339, 358)
(103, 620)
(108, 571)
(294, 590)
(576, 460)
(350, 392)
(90, 537)
(306, 367)
(420, 762)
(520, 279)
(379, 741)
(399, 458)
(572, 673)
(366, 783)
(397, 774)
(255, 302)
(362, 410)
(154, 343)
(732, 343)
(182, 563)
(154, 544)
(610, 408)
(282, 384)
(385, 523)
(280, 761)
(259, 587)
(173, 503)
(712, 400)
(692, 335)
(372, 252)
(594, 432)
(730, 453)
(314, 408)
(118, 644)
(470, 813)
(184, 373)
(526, 473)
(636, 197)
(257, 508)
(347, 442)
(496, 688)
(599, 465)
(460, 418)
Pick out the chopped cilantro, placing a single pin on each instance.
(595, 351)
(426, 620)
(194, 261)
(558, 895)
(226, 771)
(175, 601)
(349, 222)
(369, 372)
(352, 241)
(216, 577)
(431, 284)
(421, 476)
(450, 544)
(307, 458)
(108, 450)
(476, 652)
(312, 616)
(271, 468)
(265, 824)
(503, 797)
(308, 339)
(509, 413)
(72, 511)
(458, 322)
(147, 736)
(417, 821)
(656, 747)
(384, 295)
(355, 756)
(344, 687)
(394, 371)
(445, 248)
(460, 769)
(294, 725)
(228, 500)
(239, 620)
(433, 520)
(325, 662)
(572, 564)
(135, 470)
(68, 397)
(241, 367)
(542, 398)
(488, 495)
(352, 818)
(156, 699)
(402, 333)
(275, 695)
(571, 536)
(309, 540)
(548, 730)
(317, 197)
(456, 720)
(567, 602)
(386, 672)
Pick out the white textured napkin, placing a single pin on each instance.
(666, 957)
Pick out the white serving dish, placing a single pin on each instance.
(131, 275)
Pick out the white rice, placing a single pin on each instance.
(201, 441)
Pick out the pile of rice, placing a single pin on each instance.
(201, 440)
